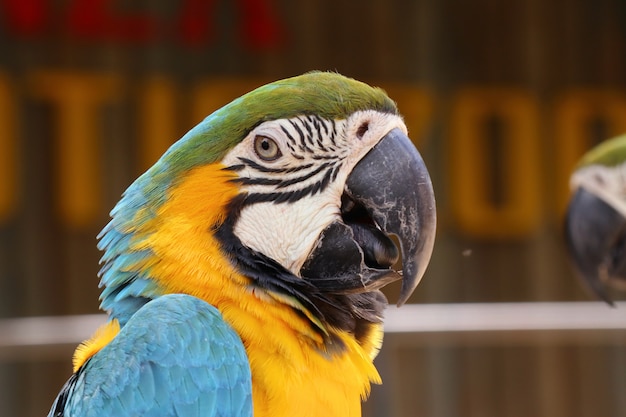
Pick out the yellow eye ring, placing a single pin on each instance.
(266, 148)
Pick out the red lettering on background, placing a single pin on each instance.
(193, 23)
(111, 20)
(260, 26)
(25, 17)
(94, 19)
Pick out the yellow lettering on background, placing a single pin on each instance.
(574, 111)
(8, 151)
(210, 95)
(77, 97)
(158, 116)
(518, 215)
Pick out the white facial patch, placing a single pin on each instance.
(294, 196)
(608, 183)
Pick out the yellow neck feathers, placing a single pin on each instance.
(291, 374)
(100, 339)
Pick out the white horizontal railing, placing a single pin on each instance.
(472, 317)
(48, 331)
(528, 323)
(519, 324)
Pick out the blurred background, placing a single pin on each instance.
(500, 97)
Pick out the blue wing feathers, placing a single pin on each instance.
(174, 357)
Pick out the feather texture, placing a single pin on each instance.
(175, 357)
(248, 331)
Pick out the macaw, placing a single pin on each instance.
(242, 272)
(595, 224)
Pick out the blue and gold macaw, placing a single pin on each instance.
(242, 271)
(595, 224)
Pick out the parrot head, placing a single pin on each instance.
(595, 223)
(293, 192)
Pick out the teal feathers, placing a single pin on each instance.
(175, 357)
(174, 354)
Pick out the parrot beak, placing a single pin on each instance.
(595, 233)
(388, 193)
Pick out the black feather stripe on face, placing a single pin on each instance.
(352, 313)
(305, 136)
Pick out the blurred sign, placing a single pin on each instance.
(193, 22)
(496, 177)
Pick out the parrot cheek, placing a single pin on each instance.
(388, 192)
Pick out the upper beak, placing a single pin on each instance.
(595, 234)
(389, 192)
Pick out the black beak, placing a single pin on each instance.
(595, 234)
(389, 192)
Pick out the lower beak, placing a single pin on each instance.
(391, 188)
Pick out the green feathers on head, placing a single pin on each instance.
(328, 95)
(609, 153)
(325, 94)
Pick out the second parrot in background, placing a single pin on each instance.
(595, 224)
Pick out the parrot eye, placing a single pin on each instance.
(266, 148)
